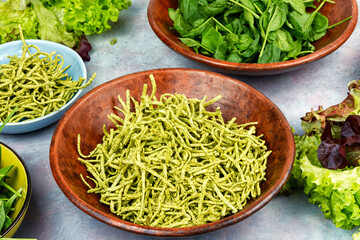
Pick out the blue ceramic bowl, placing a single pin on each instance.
(76, 70)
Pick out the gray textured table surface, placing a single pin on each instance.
(52, 216)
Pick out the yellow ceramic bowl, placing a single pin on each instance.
(19, 178)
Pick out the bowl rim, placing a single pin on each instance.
(156, 231)
(28, 193)
(74, 55)
(254, 67)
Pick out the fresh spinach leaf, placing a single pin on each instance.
(234, 57)
(8, 204)
(284, 40)
(298, 20)
(298, 5)
(180, 23)
(4, 171)
(7, 222)
(250, 19)
(271, 54)
(294, 53)
(307, 46)
(200, 29)
(232, 13)
(211, 39)
(220, 26)
(254, 47)
(220, 52)
(276, 20)
(237, 27)
(259, 5)
(310, 20)
(191, 43)
(244, 42)
(2, 215)
(309, 4)
(232, 38)
(313, 36)
(272, 36)
(320, 23)
(248, 5)
(215, 7)
(192, 11)
(8, 196)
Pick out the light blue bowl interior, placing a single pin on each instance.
(76, 70)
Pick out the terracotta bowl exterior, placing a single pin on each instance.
(87, 116)
(161, 24)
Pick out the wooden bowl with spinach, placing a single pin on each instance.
(256, 37)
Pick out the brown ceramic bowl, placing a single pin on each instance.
(161, 24)
(87, 116)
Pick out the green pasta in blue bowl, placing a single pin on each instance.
(42, 79)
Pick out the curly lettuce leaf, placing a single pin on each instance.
(12, 13)
(305, 145)
(50, 28)
(65, 22)
(315, 121)
(336, 192)
(329, 153)
(36, 22)
(87, 16)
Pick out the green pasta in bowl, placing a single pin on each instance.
(172, 163)
(189, 155)
(42, 79)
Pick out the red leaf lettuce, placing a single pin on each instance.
(336, 192)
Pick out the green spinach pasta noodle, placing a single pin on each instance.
(171, 163)
(36, 83)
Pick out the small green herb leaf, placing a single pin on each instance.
(271, 53)
(284, 40)
(298, 5)
(221, 50)
(211, 39)
(4, 171)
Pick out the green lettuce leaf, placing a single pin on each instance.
(36, 22)
(87, 16)
(65, 22)
(305, 145)
(11, 15)
(336, 192)
(50, 28)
